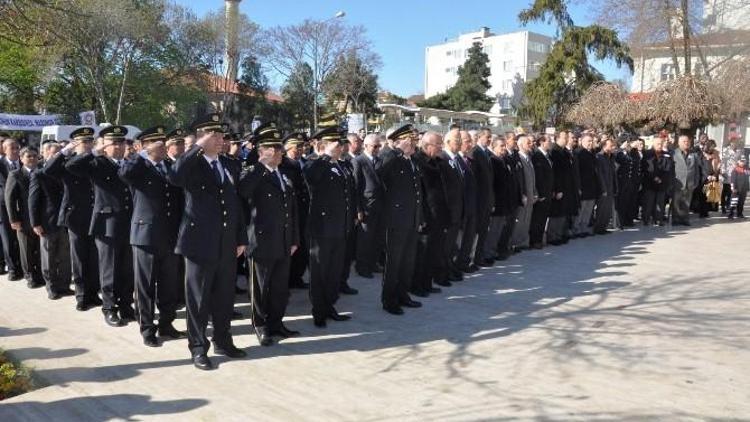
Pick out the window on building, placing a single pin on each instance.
(667, 72)
(537, 47)
(507, 85)
(505, 102)
(508, 66)
(448, 53)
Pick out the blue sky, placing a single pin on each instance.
(400, 30)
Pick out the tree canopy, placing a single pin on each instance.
(470, 90)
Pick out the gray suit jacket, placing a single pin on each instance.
(529, 178)
(687, 171)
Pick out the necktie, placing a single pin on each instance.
(278, 179)
(13, 165)
(162, 169)
(217, 172)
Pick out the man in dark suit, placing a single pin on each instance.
(75, 215)
(402, 218)
(564, 203)
(292, 165)
(605, 169)
(273, 234)
(369, 190)
(351, 236)
(330, 212)
(110, 223)
(175, 148)
(657, 170)
(17, 204)
(468, 235)
(687, 177)
(544, 178)
(153, 234)
(481, 164)
(45, 198)
(589, 186)
(507, 199)
(454, 188)
(211, 236)
(434, 263)
(628, 183)
(9, 162)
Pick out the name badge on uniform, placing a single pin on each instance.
(286, 180)
(335, 170)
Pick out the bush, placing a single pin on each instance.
(14, 379)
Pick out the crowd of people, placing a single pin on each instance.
(191, 218)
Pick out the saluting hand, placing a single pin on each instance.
(240, 250)
(39, 231)
(292, 250)
(16, 225)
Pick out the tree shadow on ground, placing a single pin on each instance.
(98, 408)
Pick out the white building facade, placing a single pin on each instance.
(514, 57)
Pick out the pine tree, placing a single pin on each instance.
(567, 73)
(470, 91)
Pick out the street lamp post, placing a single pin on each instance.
(316, 83)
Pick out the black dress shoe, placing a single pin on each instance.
(444, 283)
(127, 314)
(3, 271)
(151, 341)
(54, 296)
(364, 274)
(285, 332)
(473, 268)
(434, 290)
(66, 292)
(236, 315)
(170, 332)
(230, 351)
(467, 269)
(486, 263)
(111, 318)
(94, 301)
(35, 284)
(319, 322)
(239, 291)
(82, 306)
(15, 277)
(345, 289)
(202, 362)
(419, 293)
(264, 336)
(394, 310)
(338, 317)
(411, 303)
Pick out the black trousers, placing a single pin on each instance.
(726, 197)
(115, 272)
(452, 248)
(55, 257)
(156, 286)
(327, 256)
(400, 255)
(433, 262)
(84, 266)
(503, 245)
(627, 195)
(301, 257)
(11, 250)
(538, 225)
(741, 196)
(349, 253)
(468, 239)
(209, 290)
(369, 243)
(269, 291)
(482, 229)
(31, 261)
(603, 213)
(653, 206)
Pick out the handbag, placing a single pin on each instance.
(712, 190)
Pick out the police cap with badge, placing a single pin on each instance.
(114, 134)
(402, 132)
(267, 135)
(152, 134)
(82, 134)
(209, 123)
(176, 136)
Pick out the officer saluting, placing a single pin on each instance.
(75, 215)
(110, 223)
(330, 213)
(292, 165)
(153, 233)
(402, 212)
(211, 237)
(272, 232)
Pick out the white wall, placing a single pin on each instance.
(508, 53)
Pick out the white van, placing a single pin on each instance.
(62, 132)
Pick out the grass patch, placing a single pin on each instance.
(14, 378)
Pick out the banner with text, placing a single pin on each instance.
(27, 122)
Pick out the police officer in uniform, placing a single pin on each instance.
(75, 215)
(45, 197)
(292, 165)
(330, 211)
(272, 232)
(211, 236)
(402, 212)
(175, 148)
(153, 233)
(110, 223)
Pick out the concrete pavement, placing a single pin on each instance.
(648, 324)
